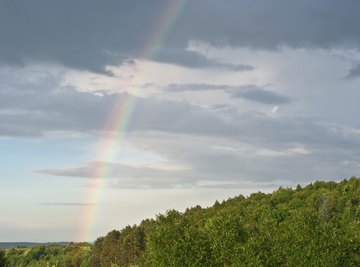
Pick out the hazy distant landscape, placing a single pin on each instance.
(8, 245)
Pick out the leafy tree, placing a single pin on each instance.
(2, 258)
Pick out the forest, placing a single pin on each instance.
(314, 225)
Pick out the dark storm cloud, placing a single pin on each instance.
(91, 34)
(81, 34)
(270, 24)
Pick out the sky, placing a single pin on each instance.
(114, 111)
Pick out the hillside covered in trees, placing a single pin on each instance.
(318, 225)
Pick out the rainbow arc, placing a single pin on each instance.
(118, 121)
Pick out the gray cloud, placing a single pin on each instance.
(250, 92)
(129, 176)
(91, 34)
(85, 112)
(219, 151)
(192, 59)
(257, 94)
(80, 171)
(354, 72)
(34, 107)
(284, 151)
(240, 160)
(271, 24)
(196, 87)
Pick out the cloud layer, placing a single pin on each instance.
(93, 34)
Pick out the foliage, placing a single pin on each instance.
(2, 258)
(317, 225)
(72, 255)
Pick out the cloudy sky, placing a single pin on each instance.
(114, 111)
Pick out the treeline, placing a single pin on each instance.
(318, 225)
(73, 254)
(8, 245)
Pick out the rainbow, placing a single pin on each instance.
(117, 123)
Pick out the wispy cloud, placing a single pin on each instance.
(192, 59)
(249, 92)
(196, 87)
